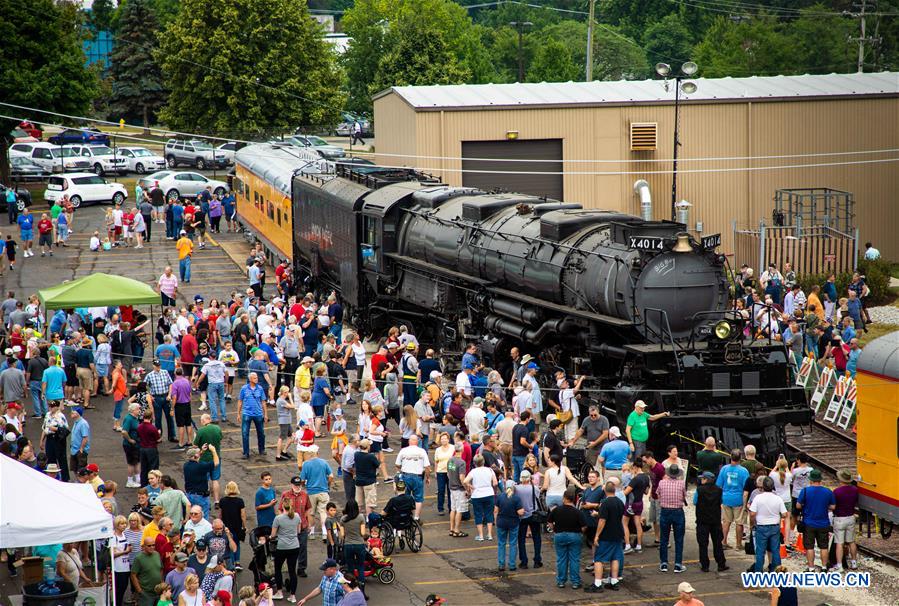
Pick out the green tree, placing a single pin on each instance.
(381, 31)
(101, 15)
(553, 62)
(418, 56)
(165, 10)
(669, 41)
(137, 91)
(247, 66)
(43, 65)
(822, 42)
(616, 56)
(754, 47)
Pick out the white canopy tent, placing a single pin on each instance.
(37, 510)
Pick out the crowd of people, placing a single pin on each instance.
(492, 443)
(822, 323)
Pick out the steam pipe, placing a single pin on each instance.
(523, 333)
(516, 311)
(641, 188)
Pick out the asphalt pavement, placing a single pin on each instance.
(459, 569)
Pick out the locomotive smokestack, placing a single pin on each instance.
(641, 188)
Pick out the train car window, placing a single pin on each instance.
(279, 217)
(271, 210)
(371, 242)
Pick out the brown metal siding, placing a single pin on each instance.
(708, 130)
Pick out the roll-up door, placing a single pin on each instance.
(535, 178)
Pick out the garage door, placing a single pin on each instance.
(520, 177)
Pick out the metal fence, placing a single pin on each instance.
(810, 250)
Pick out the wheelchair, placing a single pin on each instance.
(405, 531)
(576, 461)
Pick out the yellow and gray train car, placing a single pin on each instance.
(262, 179)
(878, 428)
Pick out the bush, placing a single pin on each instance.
(877, 277)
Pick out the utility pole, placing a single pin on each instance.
(861, 14)
(520, 25)
(590, 42)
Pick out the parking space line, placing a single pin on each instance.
(508, 576)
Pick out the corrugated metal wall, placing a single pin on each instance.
(818, 250)
(707, 130)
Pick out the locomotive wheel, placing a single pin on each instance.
(886, 529)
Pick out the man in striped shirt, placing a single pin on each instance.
(168, 287)
(672, 493)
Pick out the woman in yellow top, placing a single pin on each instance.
(443, 453)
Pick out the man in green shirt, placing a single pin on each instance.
(146, 573)
(55, 210)
(174, 502)
(638, 427)
(210, 434)
(708, 459)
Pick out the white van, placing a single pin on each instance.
(52, 158)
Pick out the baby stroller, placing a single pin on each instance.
(262, 546)
(383, 571)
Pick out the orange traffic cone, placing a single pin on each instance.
(800, 547)
(783, 551)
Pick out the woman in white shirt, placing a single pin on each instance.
(121, 562)
(481, 484)
(69, 566)
(191, 595)
(364, 424)
(783, 482)
(556, 480)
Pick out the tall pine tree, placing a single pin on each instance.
(137, 90)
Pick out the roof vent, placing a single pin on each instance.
(644, 136)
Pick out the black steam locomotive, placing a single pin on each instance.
(638, 306)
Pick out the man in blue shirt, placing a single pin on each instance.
(613, 454)
(848, 333)
(815, 501)
(58, 322)
(251, 408)
(53, 381)
(177, 218)
(316, 473)
(80, 446)
(26, 231)
(266, 499)
(259, 365)
(852, 359)
(167, 354)
(731, 480)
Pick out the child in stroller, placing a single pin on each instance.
(262, 554)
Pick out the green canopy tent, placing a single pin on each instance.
(98, 290)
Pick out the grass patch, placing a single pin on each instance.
(875, 331)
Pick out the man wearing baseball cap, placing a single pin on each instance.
(330, 587)
(707, 500)
(815, 501)
(185, 249)
(638, 427)
(686, 592)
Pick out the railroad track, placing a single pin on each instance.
(830, 449)
(827, 447)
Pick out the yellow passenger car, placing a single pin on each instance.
(878, 427)
(263, 174)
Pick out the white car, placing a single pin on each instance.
(228, 149)
(52, 158)
(83, 188)
(141, 160)
(102, 159)
(182, 184)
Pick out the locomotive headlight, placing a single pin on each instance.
(723, 329)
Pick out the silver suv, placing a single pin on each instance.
(193, 152)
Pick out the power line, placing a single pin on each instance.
(452, 158)
(588, 173)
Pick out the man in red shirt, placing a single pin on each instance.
(45, 229)
(189, 350)
(127, 223)
(148, 438)
(299, 498)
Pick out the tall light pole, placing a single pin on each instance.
(590, 42)
(681, 84)
(520, 25)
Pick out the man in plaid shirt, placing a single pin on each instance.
(158, 384)
(330, 588)
(672, 493)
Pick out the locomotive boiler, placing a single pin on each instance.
(638, 306)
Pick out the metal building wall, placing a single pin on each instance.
(726, 129)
